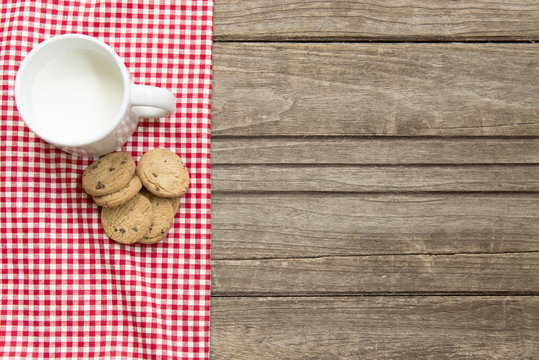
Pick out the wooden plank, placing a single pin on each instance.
(425, 20)
(246, 226)
(376, 151)
(294, 178)
(375, 328)
(330, 275)
(375, 89)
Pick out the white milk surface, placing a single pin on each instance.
(77, 95)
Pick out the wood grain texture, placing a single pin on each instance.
(375, 151)
(374, 20)
(247, 226)
(295, 178)
(375, 328)
(338, 171)
(460, 273)
(375, 89)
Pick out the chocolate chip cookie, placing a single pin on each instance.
(163, 216)
(121, 196)
(130, 222)
(108, 174)
(163, 173)
(175, 204)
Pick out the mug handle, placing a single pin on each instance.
(152, 102)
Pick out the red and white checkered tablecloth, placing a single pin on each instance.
(67, 291)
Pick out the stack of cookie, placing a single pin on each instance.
(139, 201)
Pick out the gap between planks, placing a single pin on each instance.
(381, 294)
(366, 41)
(381, 254)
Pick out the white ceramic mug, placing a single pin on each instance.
(74, 92)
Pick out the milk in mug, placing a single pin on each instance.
(73, 91)
(77, 94)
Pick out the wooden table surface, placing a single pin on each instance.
(375, 180)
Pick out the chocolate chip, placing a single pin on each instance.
(165, 160)
(122, 231)
(157, 188)
(162, 232)
(115, 229)
(123, 162)
(93, 167)
(154, 174)
(100, 185)
(135, 228)
(111, 169)
(157, 203)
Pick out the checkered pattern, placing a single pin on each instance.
(67, 291)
